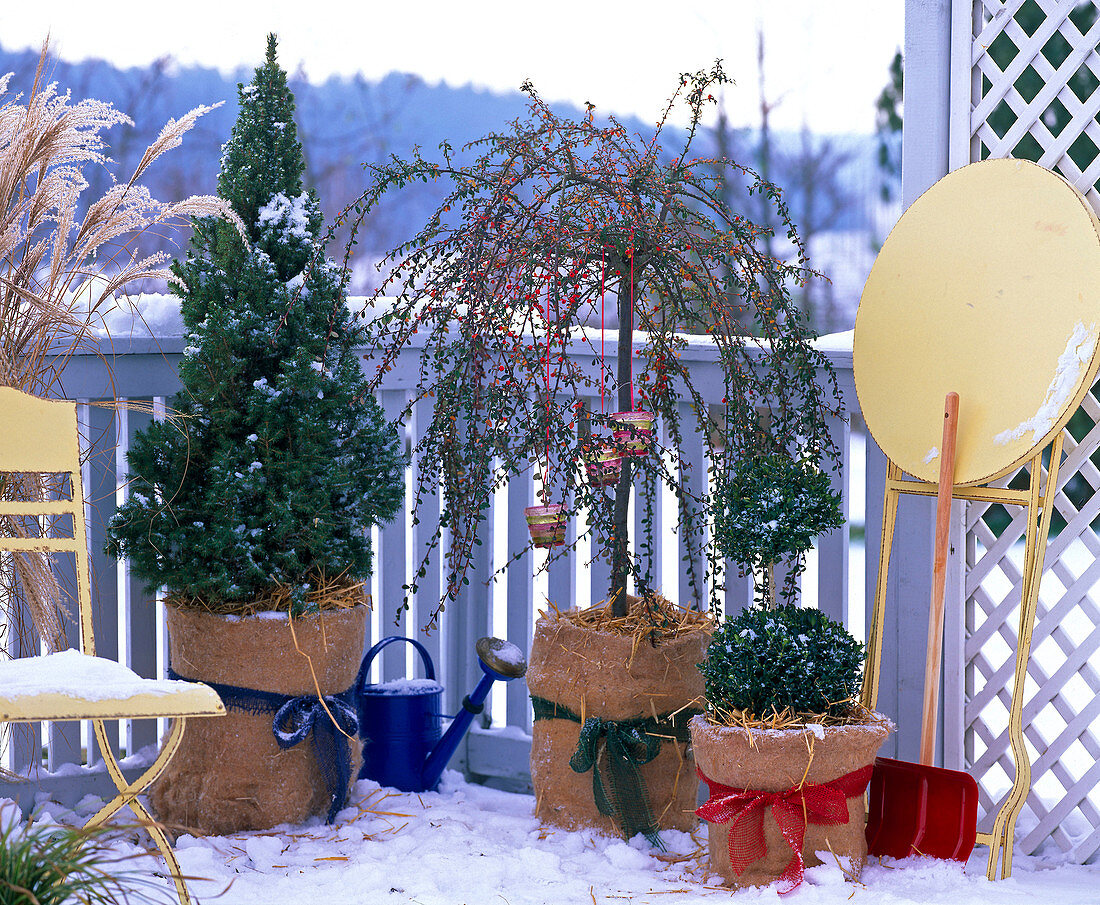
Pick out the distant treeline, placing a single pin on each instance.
(346, 123)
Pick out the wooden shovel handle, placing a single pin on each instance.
(939, 581)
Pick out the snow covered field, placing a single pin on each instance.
(471, 845)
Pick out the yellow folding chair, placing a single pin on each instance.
(40, 436)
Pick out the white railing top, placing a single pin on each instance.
(151, 322)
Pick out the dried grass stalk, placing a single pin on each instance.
(855, 715)
(58, 268)
(27, 577)
(652, 618)
(329, 594)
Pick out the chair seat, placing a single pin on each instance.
(70, 685)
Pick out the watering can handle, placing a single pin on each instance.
(364, 667)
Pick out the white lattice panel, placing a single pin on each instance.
(1024, 84)
(1025, 89)
(1062, 704)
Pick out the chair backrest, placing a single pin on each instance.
(40, 436)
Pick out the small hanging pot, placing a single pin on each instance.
(547, 524)
(603, 463)
(635, 434)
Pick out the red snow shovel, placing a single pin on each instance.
(919, 809)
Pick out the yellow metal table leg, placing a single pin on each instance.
(873, 665)
(1039, 512)
(1039, 509)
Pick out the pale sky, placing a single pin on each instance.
(826, 60)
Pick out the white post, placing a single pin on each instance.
(925, 145)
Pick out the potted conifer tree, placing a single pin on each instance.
(252, 504)
(557, 227)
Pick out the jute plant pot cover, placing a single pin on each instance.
(775, 761)
(230, 774)
(599, 674)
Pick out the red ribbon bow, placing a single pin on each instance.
(825, 804)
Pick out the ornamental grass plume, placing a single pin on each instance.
(46, 863)
(63, 259)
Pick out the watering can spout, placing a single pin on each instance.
(499, 660)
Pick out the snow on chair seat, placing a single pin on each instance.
(70, 685)
(39, 437)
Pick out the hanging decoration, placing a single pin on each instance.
(547, 522)
(633, 430)
(603, 461)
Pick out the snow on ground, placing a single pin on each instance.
(472, 845)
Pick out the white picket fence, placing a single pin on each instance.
(130, 623)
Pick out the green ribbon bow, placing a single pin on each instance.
(621, 747)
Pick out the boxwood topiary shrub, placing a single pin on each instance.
(768, 510)
(784, 659)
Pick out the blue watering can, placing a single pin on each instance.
(400, 722)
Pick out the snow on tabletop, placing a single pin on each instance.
(1067, 374)
(76, 675)
(470, 844)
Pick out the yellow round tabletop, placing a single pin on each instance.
(988, 286)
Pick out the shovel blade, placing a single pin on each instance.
(919, 810)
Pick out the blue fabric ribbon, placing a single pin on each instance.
(295, 718)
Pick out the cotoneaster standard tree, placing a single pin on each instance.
(557, 223)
